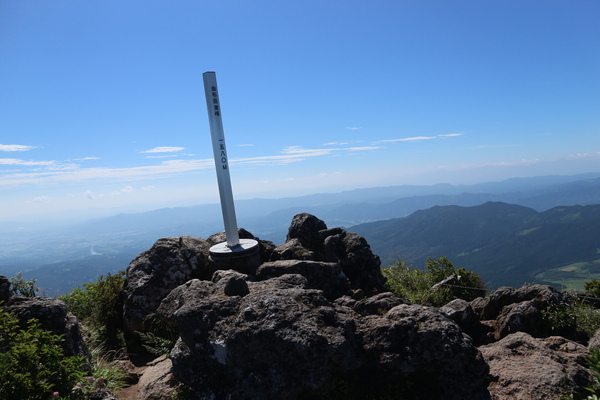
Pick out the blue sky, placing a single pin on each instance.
(102, 107)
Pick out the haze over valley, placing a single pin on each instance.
(65, 257)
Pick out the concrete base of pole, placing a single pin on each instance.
(244, 258)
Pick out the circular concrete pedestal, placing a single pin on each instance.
(244, 258)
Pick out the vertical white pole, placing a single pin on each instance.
(221, 162)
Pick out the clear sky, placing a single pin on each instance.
(102, 106)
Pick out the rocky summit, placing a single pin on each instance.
(313, 321)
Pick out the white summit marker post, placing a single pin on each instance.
(234, 247)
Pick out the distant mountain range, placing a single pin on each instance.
(36, 252)
(506, 244)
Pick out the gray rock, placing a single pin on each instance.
(293, 343)
(319, 275)
(52, 315)
(522, 310)
(524, 368)
(378, 304)
(419, 345)
(309, 239)
(490, 307)
(157, 381)
(594, 343)
(154, 273)
(461, 312)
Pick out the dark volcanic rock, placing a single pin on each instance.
(309, 239)
(319, 275)
(52, 315)
(522, 310)
(154, 273)
(524, 368)
(293, 343)
(491, 307)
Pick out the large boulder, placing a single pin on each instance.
(53, 316)
(155, 272)
(319, 275)
(511, 310)
(284, 340)
(461, 312)
(490, 307)
(309, 239)
(523, 368)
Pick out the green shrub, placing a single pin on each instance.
(99, 306)
(592, 288)
(32, 363)
(415, 285)
(18, 285)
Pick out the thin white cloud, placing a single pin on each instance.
(148, 188)
(354, 128)
(15, 161)
(164, 149)
(420, 138)
(363, 148)
(165, 156)
(86, 159)
(408, 139)
(51, 171)
(245, 145)
(16, 147)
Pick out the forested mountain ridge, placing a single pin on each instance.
(506, 244)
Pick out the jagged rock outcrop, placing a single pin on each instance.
(523, 368)
(309, 239)
(325, 276)
(155, 272)
(509, 310)
(313, 321)
(285, 341)
(52, 315)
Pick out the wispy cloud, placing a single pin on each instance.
(245, 145)
(54, 172)
(16, 161)
(420, 138)
(16, 147)
(164, 149)
(354, 128)
(408, 139)
(86, 159)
